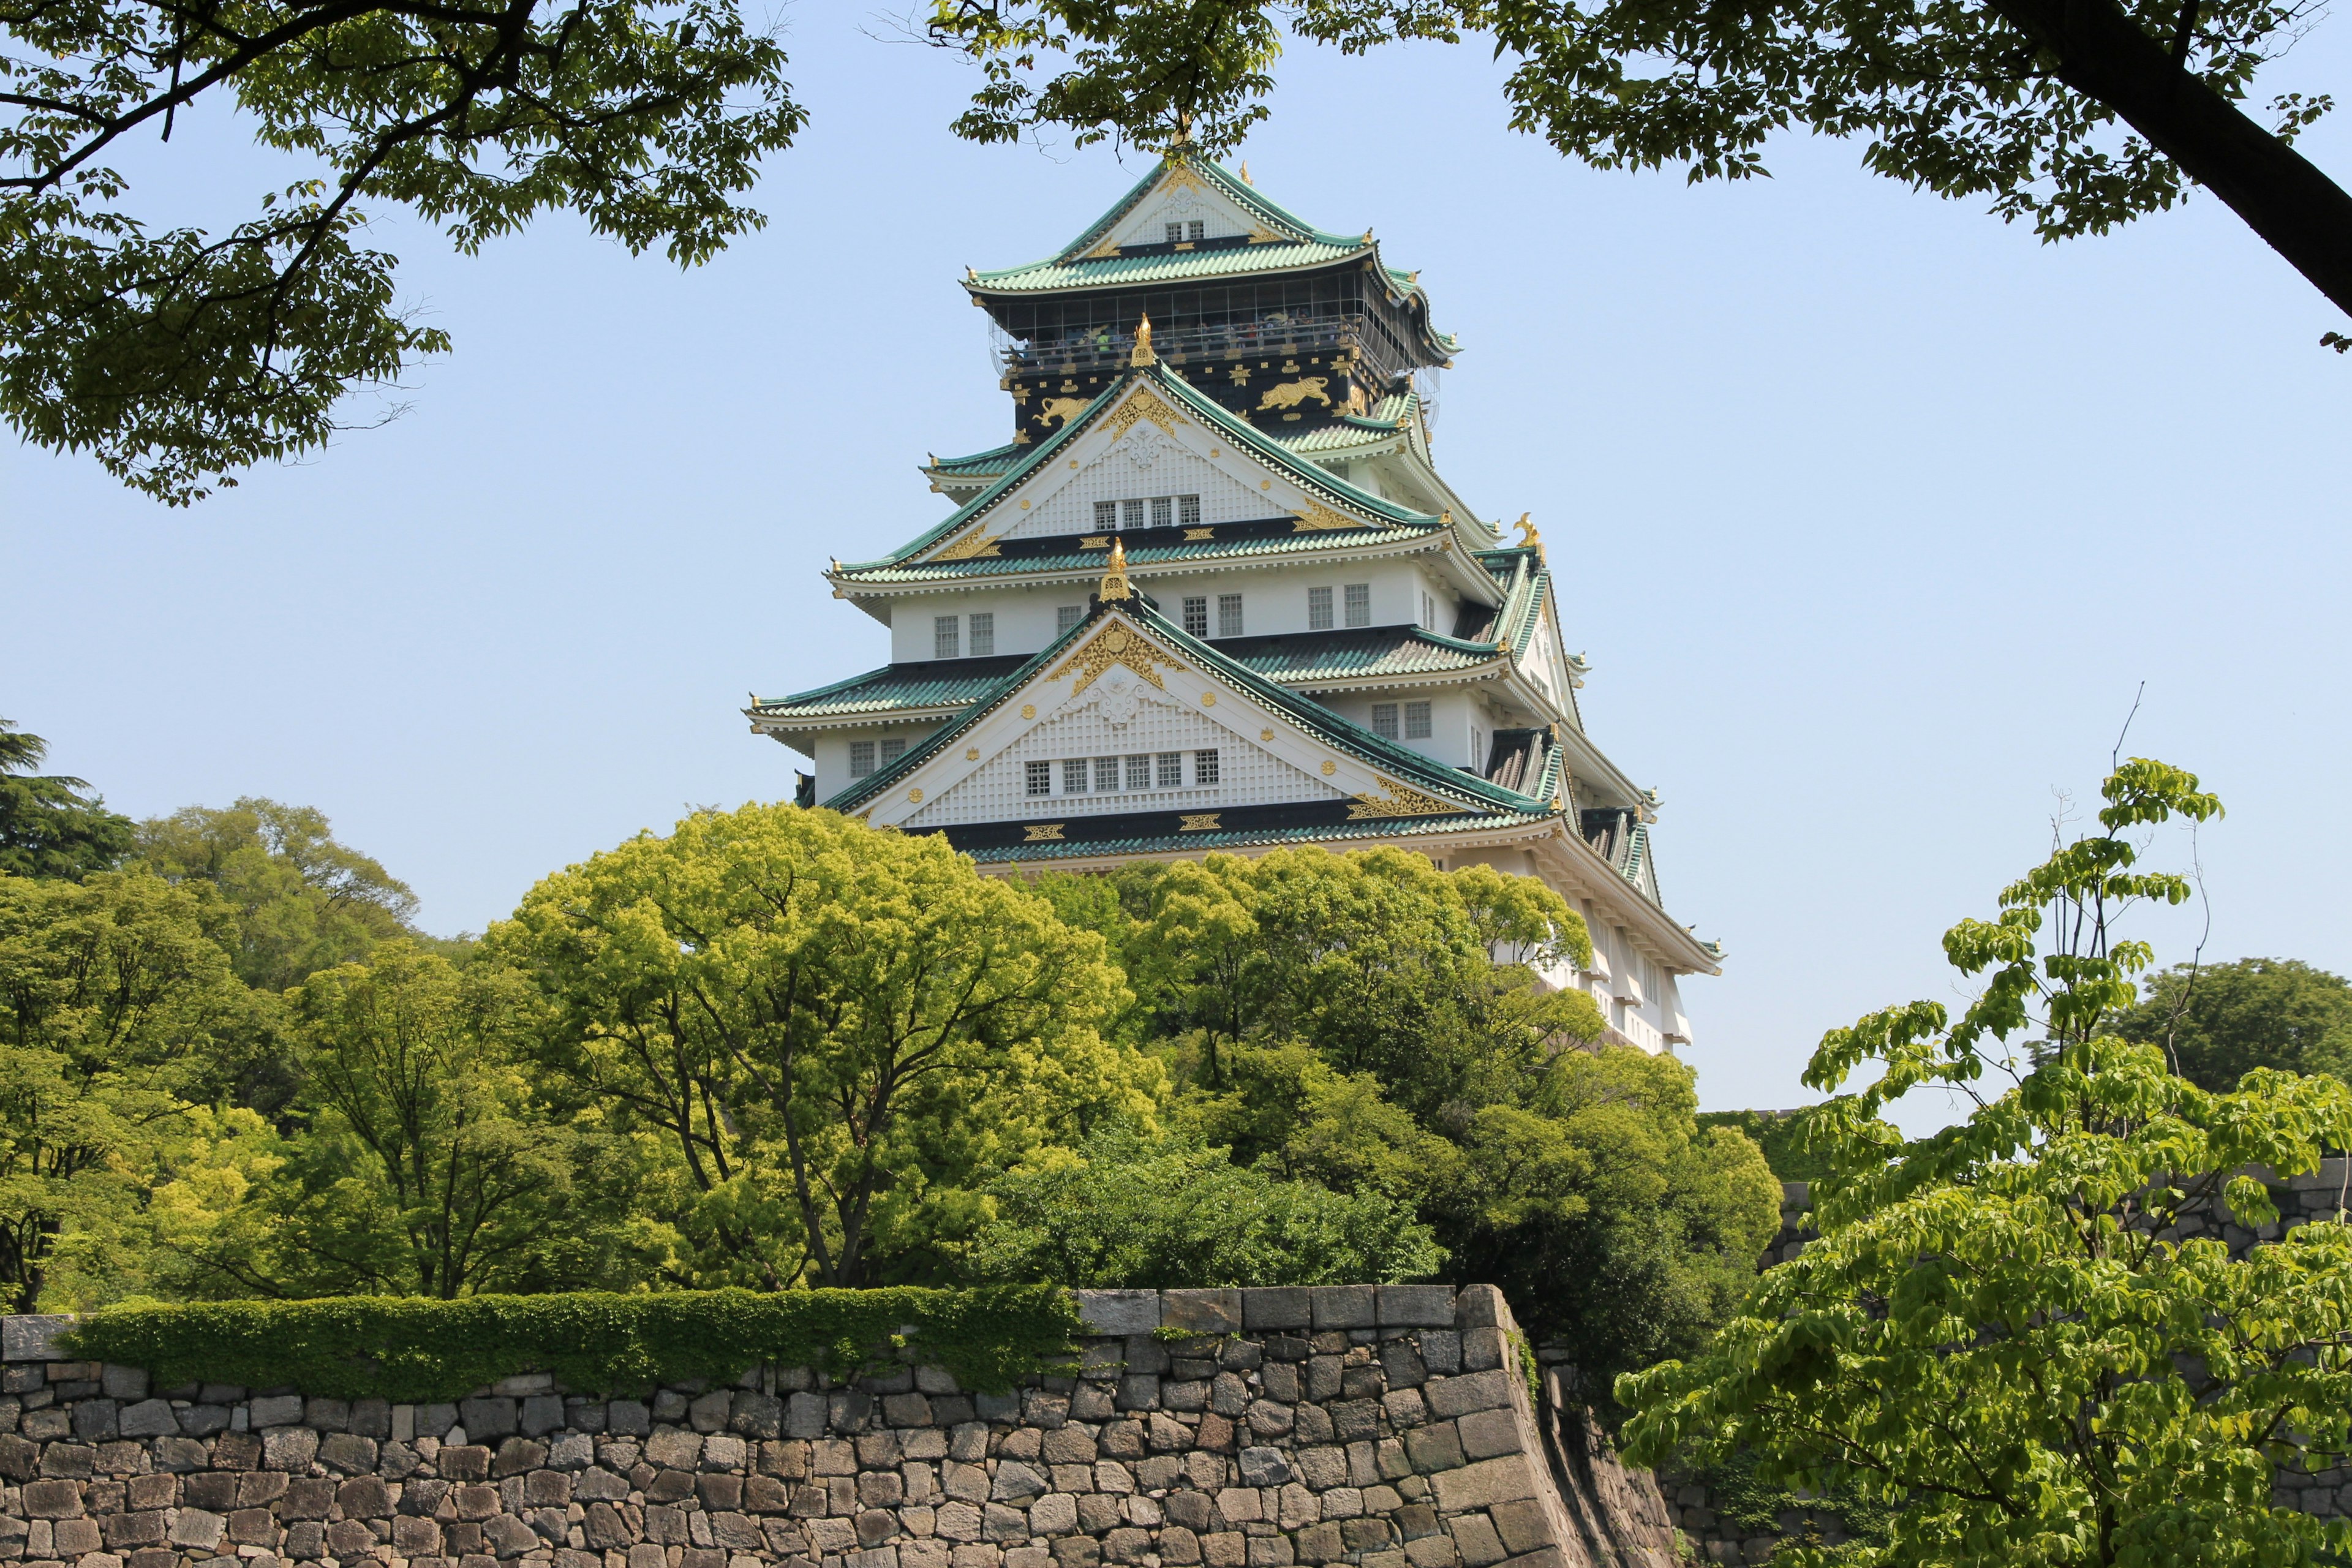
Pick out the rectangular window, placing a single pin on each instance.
(1138, 773)
(1205, 766)
(1163, 512)
(945, 643)
(1188, 512)
(1075, 771)
(893, 749)
(983, 633)
(1318, 609)
(1106, 775)
(1478, 750)
(1175, 233)
(1359, 604)
(1172, 770)
(1196, 616)
(1199, 230)
(1107, 515)
(1130, 513)
(1384, 721)
(1416, 721)
(1229, 614)
(1067, 616)
(861, 758)
(1041, 778)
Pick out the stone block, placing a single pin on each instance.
(1432, 1551)
(148, 1418)
(1488, 1432)
(198, 1529)
(33, 1336)
(1224, 1549)
(465, 1462)
(1452, 1396)
(1055, 1513)
(288, 1448)
(274, 1410)
(1475, 1540)
(491, 1417)
(1320, 1543)
(1481, 1307)
(1416, 1306)
(1482, 1349)
(52, 1499)
(1118, 1311)
(1346, 1306)
(1484, 1484)
(125, 1382)
(1201, 1311)
(347, 1453)
(1278, 1307)
(1265, 1467)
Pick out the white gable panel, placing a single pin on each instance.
(1144, 462)
(1121, 716)
(1182, 199)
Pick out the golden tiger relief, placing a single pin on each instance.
(1292, 393)
(1064, 409)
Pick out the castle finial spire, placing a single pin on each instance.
(1114, 583)
(1143, 355)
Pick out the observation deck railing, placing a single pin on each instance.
(1108, 349)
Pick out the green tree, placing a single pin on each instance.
(114, 994)
(304, 902)
(47, 828)
(179, 355)
(1127, 1210)
(2220, 1022)
(423, 1159)
(2075, 115)
(1998, 1329)
(841, 1033)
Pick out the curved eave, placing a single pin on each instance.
(1147, 565)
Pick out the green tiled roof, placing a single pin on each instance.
(1237, 431)
(1235, 189)
(1476, 796)
(1122, 271)
(939, 683)
(1312, 659)
(1142, 555)
(995, 460)
(1341, 434)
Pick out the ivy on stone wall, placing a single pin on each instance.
(408, 1349)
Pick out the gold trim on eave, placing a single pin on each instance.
(1045, 833)
(970, 547)
(1117, 644)
(1314, 519)
(1198, 821)
(1402, 800)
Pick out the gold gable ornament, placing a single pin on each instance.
(1142, 355)
(1402, 800)
(972, 546)
(1117, 644)
(1114, 583)
(1143, 404)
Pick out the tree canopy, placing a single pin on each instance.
(2073, 115)
(2002, 1330)
(49, 826)
(2220, 1022)
(179, 354)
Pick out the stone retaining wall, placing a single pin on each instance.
(1389, 1426)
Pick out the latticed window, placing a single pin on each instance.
(1107, 515)
(1041, 778)
(983, 633)
(1205, 766)
(1188, 512)
(1197, 230)
(1196, 616)
(1163, 512)
(861, 758)
(1138, 773)
(1384, 721)
(1229, 614)
(1075, 771)
(1359, 604)
(1175, 233)
(1130, 513)
(1067, 616)
(1318, 609)
(1416, 721)
(1106, 775)
(1172, 770)
(893, 749)
(945, 642)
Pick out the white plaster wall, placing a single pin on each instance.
(832, 758)
(1452, 715)
(1181, 202)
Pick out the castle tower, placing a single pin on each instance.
(1213, 594)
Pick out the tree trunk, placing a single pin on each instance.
(2104, 54)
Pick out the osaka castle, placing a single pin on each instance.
(1213, 594)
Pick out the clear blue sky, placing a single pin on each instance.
(1871, 512)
